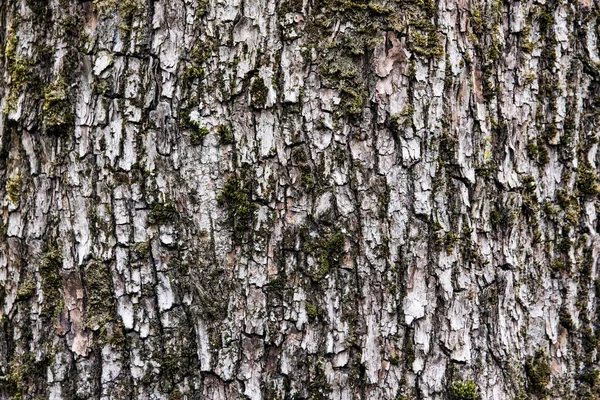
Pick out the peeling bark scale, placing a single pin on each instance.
(285, 199)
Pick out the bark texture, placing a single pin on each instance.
(277, 199)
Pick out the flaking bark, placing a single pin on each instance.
(324, 199)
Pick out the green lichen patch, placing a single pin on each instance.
(353, 100)
(424, 40)
(342, 54)
(125, 9)
(565, 319)
(399, 122)
(21, 73)
(536, 149)
(10, 50)
(202, 8)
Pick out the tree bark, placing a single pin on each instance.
(324, 199)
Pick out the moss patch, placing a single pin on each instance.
(225, 134)
(57, 111)
(163, 213)
(198, 133)
(464, 390)
(237, 198)
(537, 369)
(99, 290)
(328, 250)
(26, 289)
(258, 93)
(587, 181)
(52, 283)
(13, 188)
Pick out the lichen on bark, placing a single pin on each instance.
(323, 199)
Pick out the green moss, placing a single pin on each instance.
(340, 54)
(258, 93)
(176, 395)
(125, 8)
(353, 100)
(487, 169)
(565, 319)
(558, 266)
(465, 390)
(537, 369)
(536, 149)
(546, 21)
(426, 42)
(26, 289)
(99, 291)
(202, 8)
(225, 134)
(307, 178)
(587, 181)
(10, 51)
(529, 184)
(141, 250)
(57, 111)
(311, 311)
(318, 387)
(163, 213)
(13, 188)
(528, 46)
(399, 122)
(51, 280)
(477, 21)
(450, 239)
(193, 73)
(21, 73)
(591, 377)
(24, 374)
(198, 133)
(543, 156)
(330, 252)
(237, 198)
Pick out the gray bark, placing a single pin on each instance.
(324, 199)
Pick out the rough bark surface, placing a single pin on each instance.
(328, 199)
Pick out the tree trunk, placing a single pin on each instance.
(299, 200)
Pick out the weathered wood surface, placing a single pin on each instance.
(286, 200)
